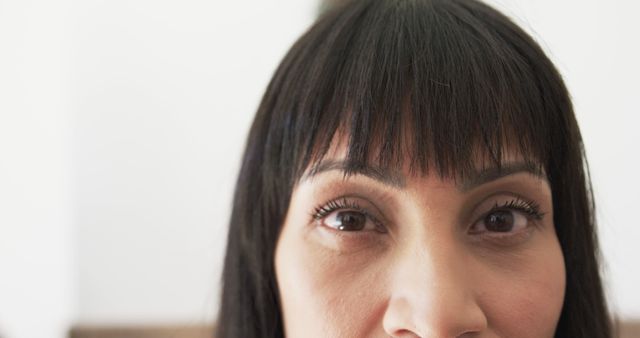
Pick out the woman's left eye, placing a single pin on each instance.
(501, 221)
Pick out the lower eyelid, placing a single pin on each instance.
(506, 240)
(350, 241)
(379, 227)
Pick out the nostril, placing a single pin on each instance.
(468, 334)
(402, 333)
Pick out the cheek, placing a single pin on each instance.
(526, 301)
(328, 293)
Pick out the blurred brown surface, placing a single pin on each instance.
(626, 330)
(629, 329)
(168, 331)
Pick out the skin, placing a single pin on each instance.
(427, 262)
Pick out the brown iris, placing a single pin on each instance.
(499, 221)
(350, 221)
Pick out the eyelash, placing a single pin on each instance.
(528, 207)
(342, 203)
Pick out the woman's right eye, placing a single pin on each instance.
(348, 220)
(346, 215)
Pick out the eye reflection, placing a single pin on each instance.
(502, 221)
(346, 220)
(346, 214)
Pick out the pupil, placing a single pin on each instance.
(351, 221)
(499, 221)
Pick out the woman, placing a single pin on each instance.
(415, 169)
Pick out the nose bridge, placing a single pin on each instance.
(433, 291)
(431, 271)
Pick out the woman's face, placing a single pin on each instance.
(381, 254)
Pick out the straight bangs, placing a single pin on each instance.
(435, 85)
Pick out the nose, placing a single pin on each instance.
(433, 295)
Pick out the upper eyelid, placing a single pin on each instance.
(371, 218)
(476, 215)
(508, 206)
(497, 194)
(383, 199)
(384, 204)
(377, 216)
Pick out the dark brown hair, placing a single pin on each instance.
(459, 78)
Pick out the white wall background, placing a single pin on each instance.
(122, 125)
(37, 255)
(164, 92)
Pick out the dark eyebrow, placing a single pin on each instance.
(487, 175)
(396, 180)
(388, 177)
